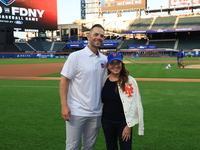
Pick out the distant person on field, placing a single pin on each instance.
(122, 105)
(132, 57)
(180, 59)
(80, 92)
(137, 55)
(39, 55)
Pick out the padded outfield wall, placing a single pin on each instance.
(167, 53)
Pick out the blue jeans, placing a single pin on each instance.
(113, 133)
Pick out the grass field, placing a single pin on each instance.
(62, 60)
(153, 70)
(31, 120)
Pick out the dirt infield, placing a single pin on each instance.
(32, 71)
(193, 66)
(29, 70)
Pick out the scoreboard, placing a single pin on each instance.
(28, 14)
(114, 5)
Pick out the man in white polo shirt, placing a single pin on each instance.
(80, 90)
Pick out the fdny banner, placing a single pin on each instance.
(28, 14)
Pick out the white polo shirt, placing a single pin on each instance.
(85, 70)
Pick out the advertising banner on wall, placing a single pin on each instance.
(26, 55)
(183, 2)
(83, 45)
(115, 5)
(29, 14)
(163, 30)
(166, 4)
(142, 47)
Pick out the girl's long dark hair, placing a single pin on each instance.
(123, 77)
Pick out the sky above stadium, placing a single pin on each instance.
(68, 11)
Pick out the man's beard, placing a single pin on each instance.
(97, 47)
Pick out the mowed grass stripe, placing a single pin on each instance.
(31, 117)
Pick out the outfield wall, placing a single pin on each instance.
(158, 53)
(34, 55)
(126, 53)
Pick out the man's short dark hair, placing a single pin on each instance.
(97, 25)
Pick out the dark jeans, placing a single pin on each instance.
(113, 133)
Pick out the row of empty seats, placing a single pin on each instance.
(141, 24)
(192, 21)
(38, 46)
(165, 22)
(126, 43)
(185, 44)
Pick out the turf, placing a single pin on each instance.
(30, 61)
(62, 60)
(157, 70)
(30, 116)
(160, 59)
(154, 70)
(31, 119)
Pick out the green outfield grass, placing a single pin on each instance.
(30, 61)
(31, 119)
(30, 116)
(138, 70)
(62, 60)
(157, 70)
(160, 58)
(154, 70)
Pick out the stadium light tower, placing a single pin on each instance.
(83, 14)
(90, 7)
